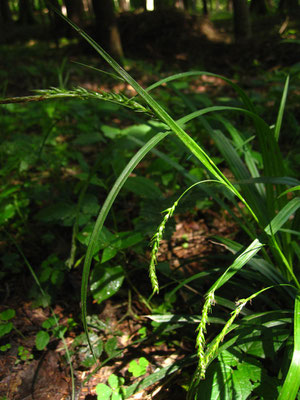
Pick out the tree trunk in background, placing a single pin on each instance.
(258, 7)
(106, 27)
(205, 8)
(25, 12)
(241, 20)
(163, 4)
(189, 5)
(5, 13)
(141, 4)
(5, 20)
(75, 10)
(291, 7)
(180, 4)
(124, 5)
(149, 5)
(229, 6)
(58, 25)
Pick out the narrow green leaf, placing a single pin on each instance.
(293, 189)
(238, 263)
(240, 172)
(290, 208)
(281, 109)
(246, 100)
(102, 217)
(292, 381)
(184, 319)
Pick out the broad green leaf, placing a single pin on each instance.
(42, 340)
(60, 211)
(7, 314)
(88, 138)
(45, 274)
(104, 238)
(264, 342)
(50, 322)
(57, 277)
(268, 390)
(111, 346)
(251, 368)
(5, 328)
(119, 241)
(159, 375)
(117, 396)
(108, 253)
(217, 385)
(113, 381)
(5, 347)
(242, 387)
(139, 130)
(94, 180)
(128, 239)
(110, 131)
(138, 367)
(103, 391)
(229, 358)
(106, 281)
(90, 204)
(7, 212)
(143, 187)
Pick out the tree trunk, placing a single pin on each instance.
(58, 25)
(163, 4)
(5, 20)
(124, 5)
(25, 12)
(229, 6)
(139, 4)
(75, 10)
(189, 5)
(205, 8)
(149, 5)
(180, 4)
(258, 7)
(241, 20)
(5, 13)
(106, 27)
(290, 7)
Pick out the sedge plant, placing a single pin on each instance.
(267, 203)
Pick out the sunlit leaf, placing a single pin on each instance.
(106, 281)
(103, 391)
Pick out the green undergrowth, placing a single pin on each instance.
(85, 176)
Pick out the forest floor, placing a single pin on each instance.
(45, 374)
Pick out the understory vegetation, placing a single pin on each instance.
(96, 187)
